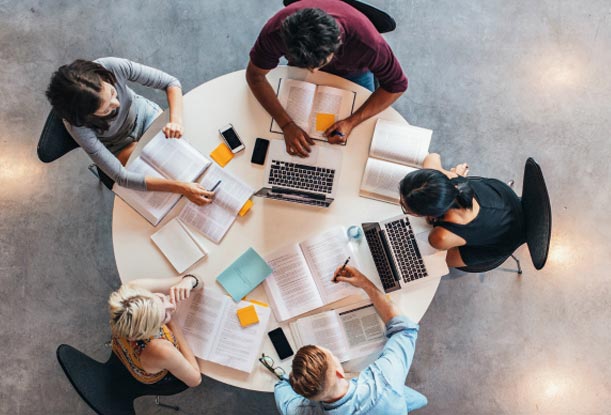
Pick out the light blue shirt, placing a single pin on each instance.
(379, 389)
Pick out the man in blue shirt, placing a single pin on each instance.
(317, 383)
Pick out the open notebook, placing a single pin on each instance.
(210, 323)
(313, 107)
(302, 274)
(396, 150)
(174, 159)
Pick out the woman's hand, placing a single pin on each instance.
(172, 130)
(352, 276)
(197, 193)
(182, 290)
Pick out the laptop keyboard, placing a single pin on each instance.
(374, 240)
(300, 176)
(405, 248)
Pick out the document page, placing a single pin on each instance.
(177, 245)
(291, 287)
(236, 346)
(364, 329)
(381, 179)
(296, 97)
(329, 101)
(152, 205)
(324, 253)
(323, 329)
(175, 158)
(214, 219)
(400, 143)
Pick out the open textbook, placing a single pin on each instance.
(212, 329)
(215, 219)
(302, 274)
(173, 159)
(349, 332)
(396, 150)
(313, 107)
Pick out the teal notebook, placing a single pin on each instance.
(241, 277)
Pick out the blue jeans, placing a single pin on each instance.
(414, 399)
(146, 112)
(364, 79)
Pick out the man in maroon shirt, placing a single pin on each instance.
(331, 36)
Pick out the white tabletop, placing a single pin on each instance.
(270, 224)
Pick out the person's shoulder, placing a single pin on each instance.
(159, 350)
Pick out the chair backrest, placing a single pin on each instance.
(55, 140)
(484, 267)
(537, 213)
(382, 21)
(108, 388)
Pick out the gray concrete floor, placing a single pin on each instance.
(497, 81)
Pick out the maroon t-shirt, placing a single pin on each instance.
(363, 48)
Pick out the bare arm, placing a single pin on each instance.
(195, 192)
(295, 138)
(433, 161)
(385, 308)
(173, 129)
(180, 361)
(178, 288)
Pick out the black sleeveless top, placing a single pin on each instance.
(497, 230)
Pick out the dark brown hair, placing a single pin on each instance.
(74, 93)
(309, 375)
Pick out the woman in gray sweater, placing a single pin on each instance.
(106, 118)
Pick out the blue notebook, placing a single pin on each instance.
(241, 277)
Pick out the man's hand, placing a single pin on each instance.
(352, 276)
(338, 133)
(297, 141)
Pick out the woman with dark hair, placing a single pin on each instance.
(477, 220)
(106, 118)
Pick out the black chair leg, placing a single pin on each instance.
(165, 405)
(518, 264)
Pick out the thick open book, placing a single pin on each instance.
(173, 159)
(313, 107)
(178, 244)
(210, 323)
(396, 150)
(349, 332)
(302, 277)
(214, 219)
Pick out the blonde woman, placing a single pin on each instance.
(144, 337)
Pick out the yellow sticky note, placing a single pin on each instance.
(324, 121)
(245, 208)
(221, 154)
(248, 316)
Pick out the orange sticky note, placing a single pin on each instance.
(324, 121)
(248, 316)
(245, 208)
(222, 154)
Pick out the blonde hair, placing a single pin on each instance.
(134, 313)
(309, 372)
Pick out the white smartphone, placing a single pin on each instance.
(231, 138)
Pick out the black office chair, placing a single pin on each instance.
(55, 141)
(382, 21)
(537, 211)
(108, 388)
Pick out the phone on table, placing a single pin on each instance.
(281, 344)
(231, 138)
(260, 151)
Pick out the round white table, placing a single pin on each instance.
(270, 224)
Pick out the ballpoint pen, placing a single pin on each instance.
(216, 185)
(335, 132)
(343, 268)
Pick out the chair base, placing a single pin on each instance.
(518, 264)
(165, 405)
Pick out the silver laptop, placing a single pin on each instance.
(402, 254)
(311, 181)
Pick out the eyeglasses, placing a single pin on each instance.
(268, 362)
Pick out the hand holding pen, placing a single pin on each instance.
(351, 275)
(341, 269)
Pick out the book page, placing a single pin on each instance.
(329, 100)
(381, 180)
(200, 318)
(175, 158)
(324, 253)
(177, 245)
(296, 97)
(400, 143)
(291, 287)
(323, 329)
(236, 346)
(214, 219)
(152, 205)
(363, 328)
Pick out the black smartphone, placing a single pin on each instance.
(260, 151)
(281, 344)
